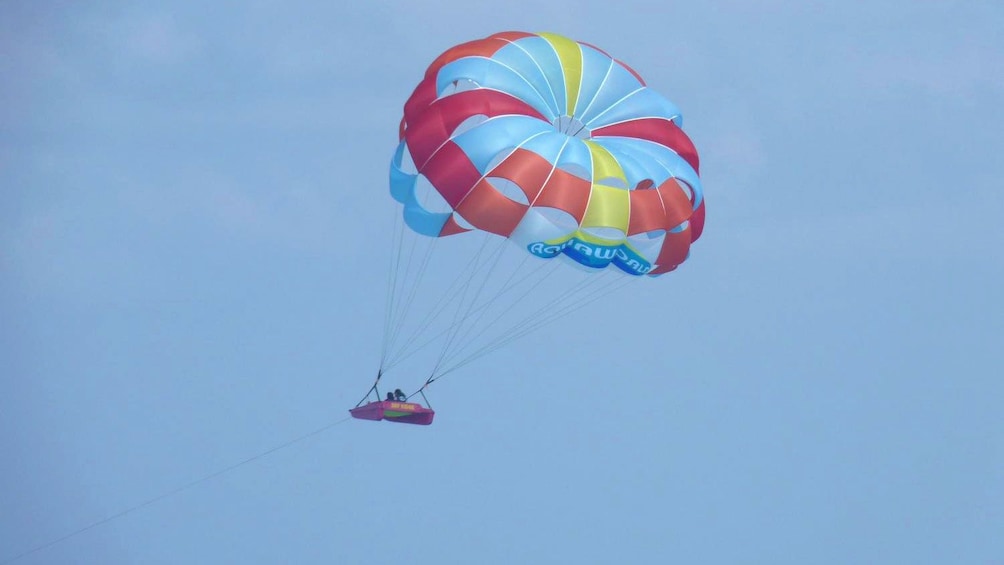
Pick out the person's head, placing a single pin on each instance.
(390, 396)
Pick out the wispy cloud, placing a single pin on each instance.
(960, 71)
(155, 38)
(301, 218)
(923, 230)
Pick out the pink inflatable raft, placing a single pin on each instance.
(400, 412)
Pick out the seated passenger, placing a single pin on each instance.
(390, 397)
(399, 395)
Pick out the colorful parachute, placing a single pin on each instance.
(545, 142)
(554, 145)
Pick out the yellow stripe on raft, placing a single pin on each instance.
(571, 67)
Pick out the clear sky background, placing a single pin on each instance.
(193, 264)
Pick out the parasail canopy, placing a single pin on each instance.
(554, 145)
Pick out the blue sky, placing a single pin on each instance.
(193, 261)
